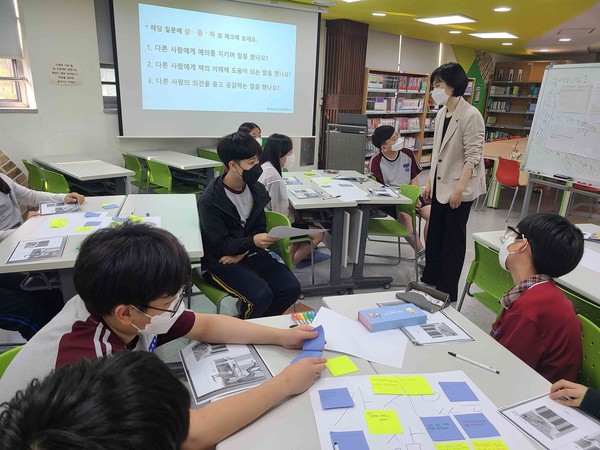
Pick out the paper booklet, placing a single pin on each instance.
(33, 250)
(216, 370)
(58, 208)
(304, 193)
(283, 231)
(291, 181)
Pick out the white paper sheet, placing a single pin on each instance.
(32, 250)
(344, 189)
(350, 336)
(438, 328)
(72, 227)
(58, 208)
(288, 232)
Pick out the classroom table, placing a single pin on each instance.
(583, 280)
(84, 169)
(291, 424)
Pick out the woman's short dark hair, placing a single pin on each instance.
(453, 75)
(556, 244)
(130, 264)
(247, 127)
(382, 134)
(277, 146)
(129, 400)
(236, 147)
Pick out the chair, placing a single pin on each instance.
(55, 182)
(393, 228)
(7, 357)
(589, 374)
(582, 187)
(207, 154)
(133, 163)
(486, 273)
(160, 175)
(488, 165)
(35, 179)
(507, 175)
(589, 310)
(213, 293)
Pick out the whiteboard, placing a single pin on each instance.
(565, 133)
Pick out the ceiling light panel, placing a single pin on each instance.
(501, 35)
(446, 20)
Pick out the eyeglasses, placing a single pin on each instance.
(512, 233)
(178, 299)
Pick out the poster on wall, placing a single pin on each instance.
(63, 73)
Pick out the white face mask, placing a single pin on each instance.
(161, 323)
(503, 254)
(398, 145)
(439, 96)
(259, 140)
(290, 160)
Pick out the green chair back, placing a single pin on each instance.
(55, 182)
(590, 367)
(35, 179)
(208, 154)
(589, 310)
(160, 174)
(393, 228)
(133, 163)
(214, 294)
(7, 357)
(411, 191)
(282, 246)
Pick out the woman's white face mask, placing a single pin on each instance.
(290, 160)
(439, 96)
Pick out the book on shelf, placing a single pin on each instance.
(415, 104)
(534, 90)
(426, 158)
(491, 120)
(531, 107)
(402, 83)
(527, 121)
(390, 82)
(414, 84)
(427, 141)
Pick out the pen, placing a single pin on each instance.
(483, 366)
(336, 446)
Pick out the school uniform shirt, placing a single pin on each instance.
(10, 214)
(541, 328)
(75, 334)
(395, 172)
(275, 186)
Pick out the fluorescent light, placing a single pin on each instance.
(544, 50)
(446, 20)
(379, 14)
(507, 43)
(501, 35)
(565, 39)
(351, 1)
(454, 32)
(502, 9)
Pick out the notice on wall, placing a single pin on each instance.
(65, 73)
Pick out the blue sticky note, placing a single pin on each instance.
(110, 206)
(349, 440)
(318, 343)
(119, 219)
(336, 398)
(476, 425)
(458, 391)
(92, 224)
(307, 354)
(442, 428)
(345, 185)
(91, 214)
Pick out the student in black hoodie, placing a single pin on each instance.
(233, 225)
(573, 394)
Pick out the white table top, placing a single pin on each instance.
(582, 280)
(176, 160)
(83, 168)
(178, 214)
(67, 260)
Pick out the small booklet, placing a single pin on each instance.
(283, 231)
(58, 208)
(216, 370)
(33, 250)
(290, 181)
(383, 192)
(304, 193)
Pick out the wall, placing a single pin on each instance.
(383, 50)
(417, 55)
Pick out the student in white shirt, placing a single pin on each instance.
(253, 130)
(279, 153)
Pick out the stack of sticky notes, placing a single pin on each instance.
(397, 316)
(312, 348)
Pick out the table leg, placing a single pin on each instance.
(527, 197)
(120, 185)
(66, 284)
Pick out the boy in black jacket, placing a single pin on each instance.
(232, 221)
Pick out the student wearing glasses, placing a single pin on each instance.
(129, 280)
(538, 323)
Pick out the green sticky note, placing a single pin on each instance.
(58, 223)
(452, 446)
(309, 174)
(341, 365)
(491, 444)
(136, 218)
(416, 385)
(386, 385)
(80, 229)
(383, 421)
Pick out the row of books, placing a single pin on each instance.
(393, 104)
(493, 135)
(429, 123)
(400, 123)
(427, 141)
(397, 82)
(498, 105)
(533, 90)
(491, 120)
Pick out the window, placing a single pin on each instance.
(109, 86)
(12, 84)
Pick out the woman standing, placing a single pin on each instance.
(457, 177)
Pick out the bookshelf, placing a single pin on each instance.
(398, 99)
(468, 95)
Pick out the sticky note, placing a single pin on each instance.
(58, 223)
(110, 206)
(345, 185)
(307, 354)
(92, 223)
(458, 391)
(386, 385)
(383, 421)
(416, 385)
(84, 228)
(92, 214)
(492, 444)
(317, 343)
(349, 440)
(336, 398)
(309, 174)
(442, 428)
(341, 365)
(476, 425)
(136, 218)
(452, 446)
(119, 219)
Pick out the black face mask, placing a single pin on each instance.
(252, 175)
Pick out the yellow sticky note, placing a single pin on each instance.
(341, 365)
(58, 223)
(309, 174)
(136, 218)
(452, 446)
(417, 385)
(386, 385)
(80, 229)
(491, 444)
(383, 421)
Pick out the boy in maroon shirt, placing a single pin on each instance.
(538, 324)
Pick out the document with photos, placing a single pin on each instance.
(58, 208)
(304, 193)
(553, 425)
(33, 250)
(215, 370)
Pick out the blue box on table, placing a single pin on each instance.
(397, 316)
